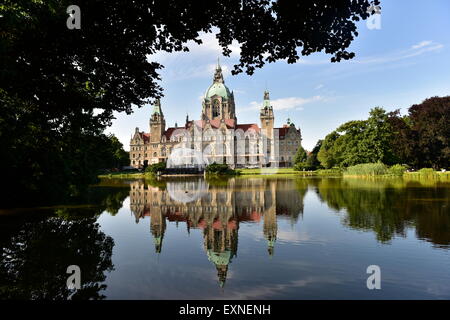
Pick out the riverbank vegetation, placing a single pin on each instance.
(420, 139)
(387, 143)
(220, 169)
(155, 168)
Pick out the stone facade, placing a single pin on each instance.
(217, 136)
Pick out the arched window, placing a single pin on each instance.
(247, 144)
(155, 154)
(216, 108)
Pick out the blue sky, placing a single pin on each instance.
(404, 62)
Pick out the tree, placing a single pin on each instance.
(402, 143)
(431, 132)
(347, 150)
(300, 155)
(421, 139)
(312, 162)
(54, 78)
(359, 141)
(156, 167)
(326, 153)
(377, 138)
(112, 154)
(38, 255)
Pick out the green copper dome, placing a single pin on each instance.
(157, 107)
(219, 89)
(219, 258)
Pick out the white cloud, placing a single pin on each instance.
(422, 44)
(210, 45)
(320, 86)
(208, 49)
(286, 103)
(194, 71)
(416, 50)
(199, 62)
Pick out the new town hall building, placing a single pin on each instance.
(217, 136)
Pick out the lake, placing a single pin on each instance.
(236, 238)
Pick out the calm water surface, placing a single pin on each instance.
(241, 238)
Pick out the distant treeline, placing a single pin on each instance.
(419, 139)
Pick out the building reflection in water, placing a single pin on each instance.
(218, 209)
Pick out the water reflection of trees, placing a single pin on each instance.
(389, 207)
(37, 247)
(217, 207)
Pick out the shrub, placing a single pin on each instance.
(397, 170)
(301, 166)
(154, 168)
(427, 172)
(329, 172)
(367, 169)
(216, 168)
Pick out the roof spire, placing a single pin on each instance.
(218, 76)
(266, 102)
(157, 107)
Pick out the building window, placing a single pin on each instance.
(216, 107)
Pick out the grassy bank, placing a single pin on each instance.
(290, 172)
(381, 170)
(123, 175)
(269, 171)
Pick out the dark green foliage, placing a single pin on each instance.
(312, 162)
(329, 172)
(156, 167)
(389, 209)
(420, 139)
(39, 253)
(427, 172)
(397, 170)
(367, 169)
(300, 159)
(430, 126)
(219, 169)
(326, 154)
(302, 166)
(300, 155)
(307, 161)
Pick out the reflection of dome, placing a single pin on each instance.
(221, 261)
(158, 243)
(185, 157)
(219, 89)
(270, 246)
(187, 191)
(219, 258)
